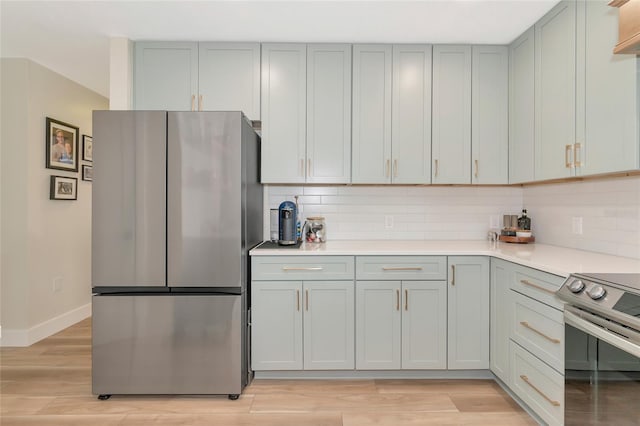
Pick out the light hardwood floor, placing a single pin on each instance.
(50, 383)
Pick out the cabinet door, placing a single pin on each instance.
(276, 330)
(378, 321)
(468, 302)
(489, 115)
(329, 325)
(607, 128)
(555, 109)
(165, 76)
(424, 325)
(411, 114)
(521, 108)
(501, 276)
(284, 105)
(451, 143)
(329, 113)
(371, 114)
(229, 78)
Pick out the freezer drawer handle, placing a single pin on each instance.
(530, 284)
(549, 400)
(401, 268)
(289, 268)
(551, 339)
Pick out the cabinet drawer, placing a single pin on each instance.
(539, 329)
(538, 285)
(302, 268)
(537, 384)
(401, 267)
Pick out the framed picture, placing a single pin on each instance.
(63, 188)
(61, 140)
(87, 172)
(87, 148)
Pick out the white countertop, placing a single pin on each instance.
(555, 260)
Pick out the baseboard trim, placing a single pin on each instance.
(375, 374)
(45, 329)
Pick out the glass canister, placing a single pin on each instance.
(315, 230)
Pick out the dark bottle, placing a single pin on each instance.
(524, 221)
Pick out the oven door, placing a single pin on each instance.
(602, 373)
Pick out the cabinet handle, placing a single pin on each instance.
(291, 268)
(476, 173)
(551, 339)
(567, 154)
(577, 151)
(193, 102)
(200, 103)
(397, 299)
(301, 168)
(406, 299)
(386, 170)
(436, 174)
(530, 284)
(402, 268)
(298, 299)
(453, 274)
(306, 300)
(395, 168)
(549, 400)
(309, 167)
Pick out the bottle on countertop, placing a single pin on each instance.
(298, 225)
(524, 221)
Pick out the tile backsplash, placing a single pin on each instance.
(608, 208)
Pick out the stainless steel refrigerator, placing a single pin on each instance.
(177, 205)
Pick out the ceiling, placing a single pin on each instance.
(72, 37)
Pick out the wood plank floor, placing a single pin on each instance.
(50, 383)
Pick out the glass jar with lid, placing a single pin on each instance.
(315, 230)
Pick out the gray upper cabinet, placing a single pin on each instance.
(451, 140)
(607, 127)
(489, 115)
(328, 113)
(555, 86)
(165, 76)
(284, 103)
(189, 76)
(411, 114)
(521, 108)
(229, 78)
(371, 114)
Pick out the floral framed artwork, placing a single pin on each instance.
(63, 188)
(61, 141)
(87, 148)
(87, 172)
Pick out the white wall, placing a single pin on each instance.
(42, 240)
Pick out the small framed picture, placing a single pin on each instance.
(87, 148)
(61, 140)
(87, 172)
(63, 188)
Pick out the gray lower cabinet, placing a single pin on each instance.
(501, 276)
(468, 313)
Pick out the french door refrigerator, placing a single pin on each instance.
(176, 207)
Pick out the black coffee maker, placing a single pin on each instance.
(287, 224)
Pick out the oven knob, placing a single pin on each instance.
(576, 286)
(597, 292)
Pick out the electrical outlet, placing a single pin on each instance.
(57, 284)
(388, 222)
(576, 225)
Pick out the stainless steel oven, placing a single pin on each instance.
(602, 349)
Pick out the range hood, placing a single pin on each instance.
(628, 26)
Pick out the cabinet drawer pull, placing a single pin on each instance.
(530, 284)
(567, 153)
(306, 300)
(309, 167)
(290, 268)
(200, 103)
(551, 339)
(453, 274)
(397, 300)
(577, 151)
(476, 173)
(193, 102)
(406, 299)
(436, 173)
(402, 268)
(549, 400)
(298, 299)
(395, 168)
(386, 170)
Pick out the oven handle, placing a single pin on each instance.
(600, 332)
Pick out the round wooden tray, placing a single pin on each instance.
(519, 240)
